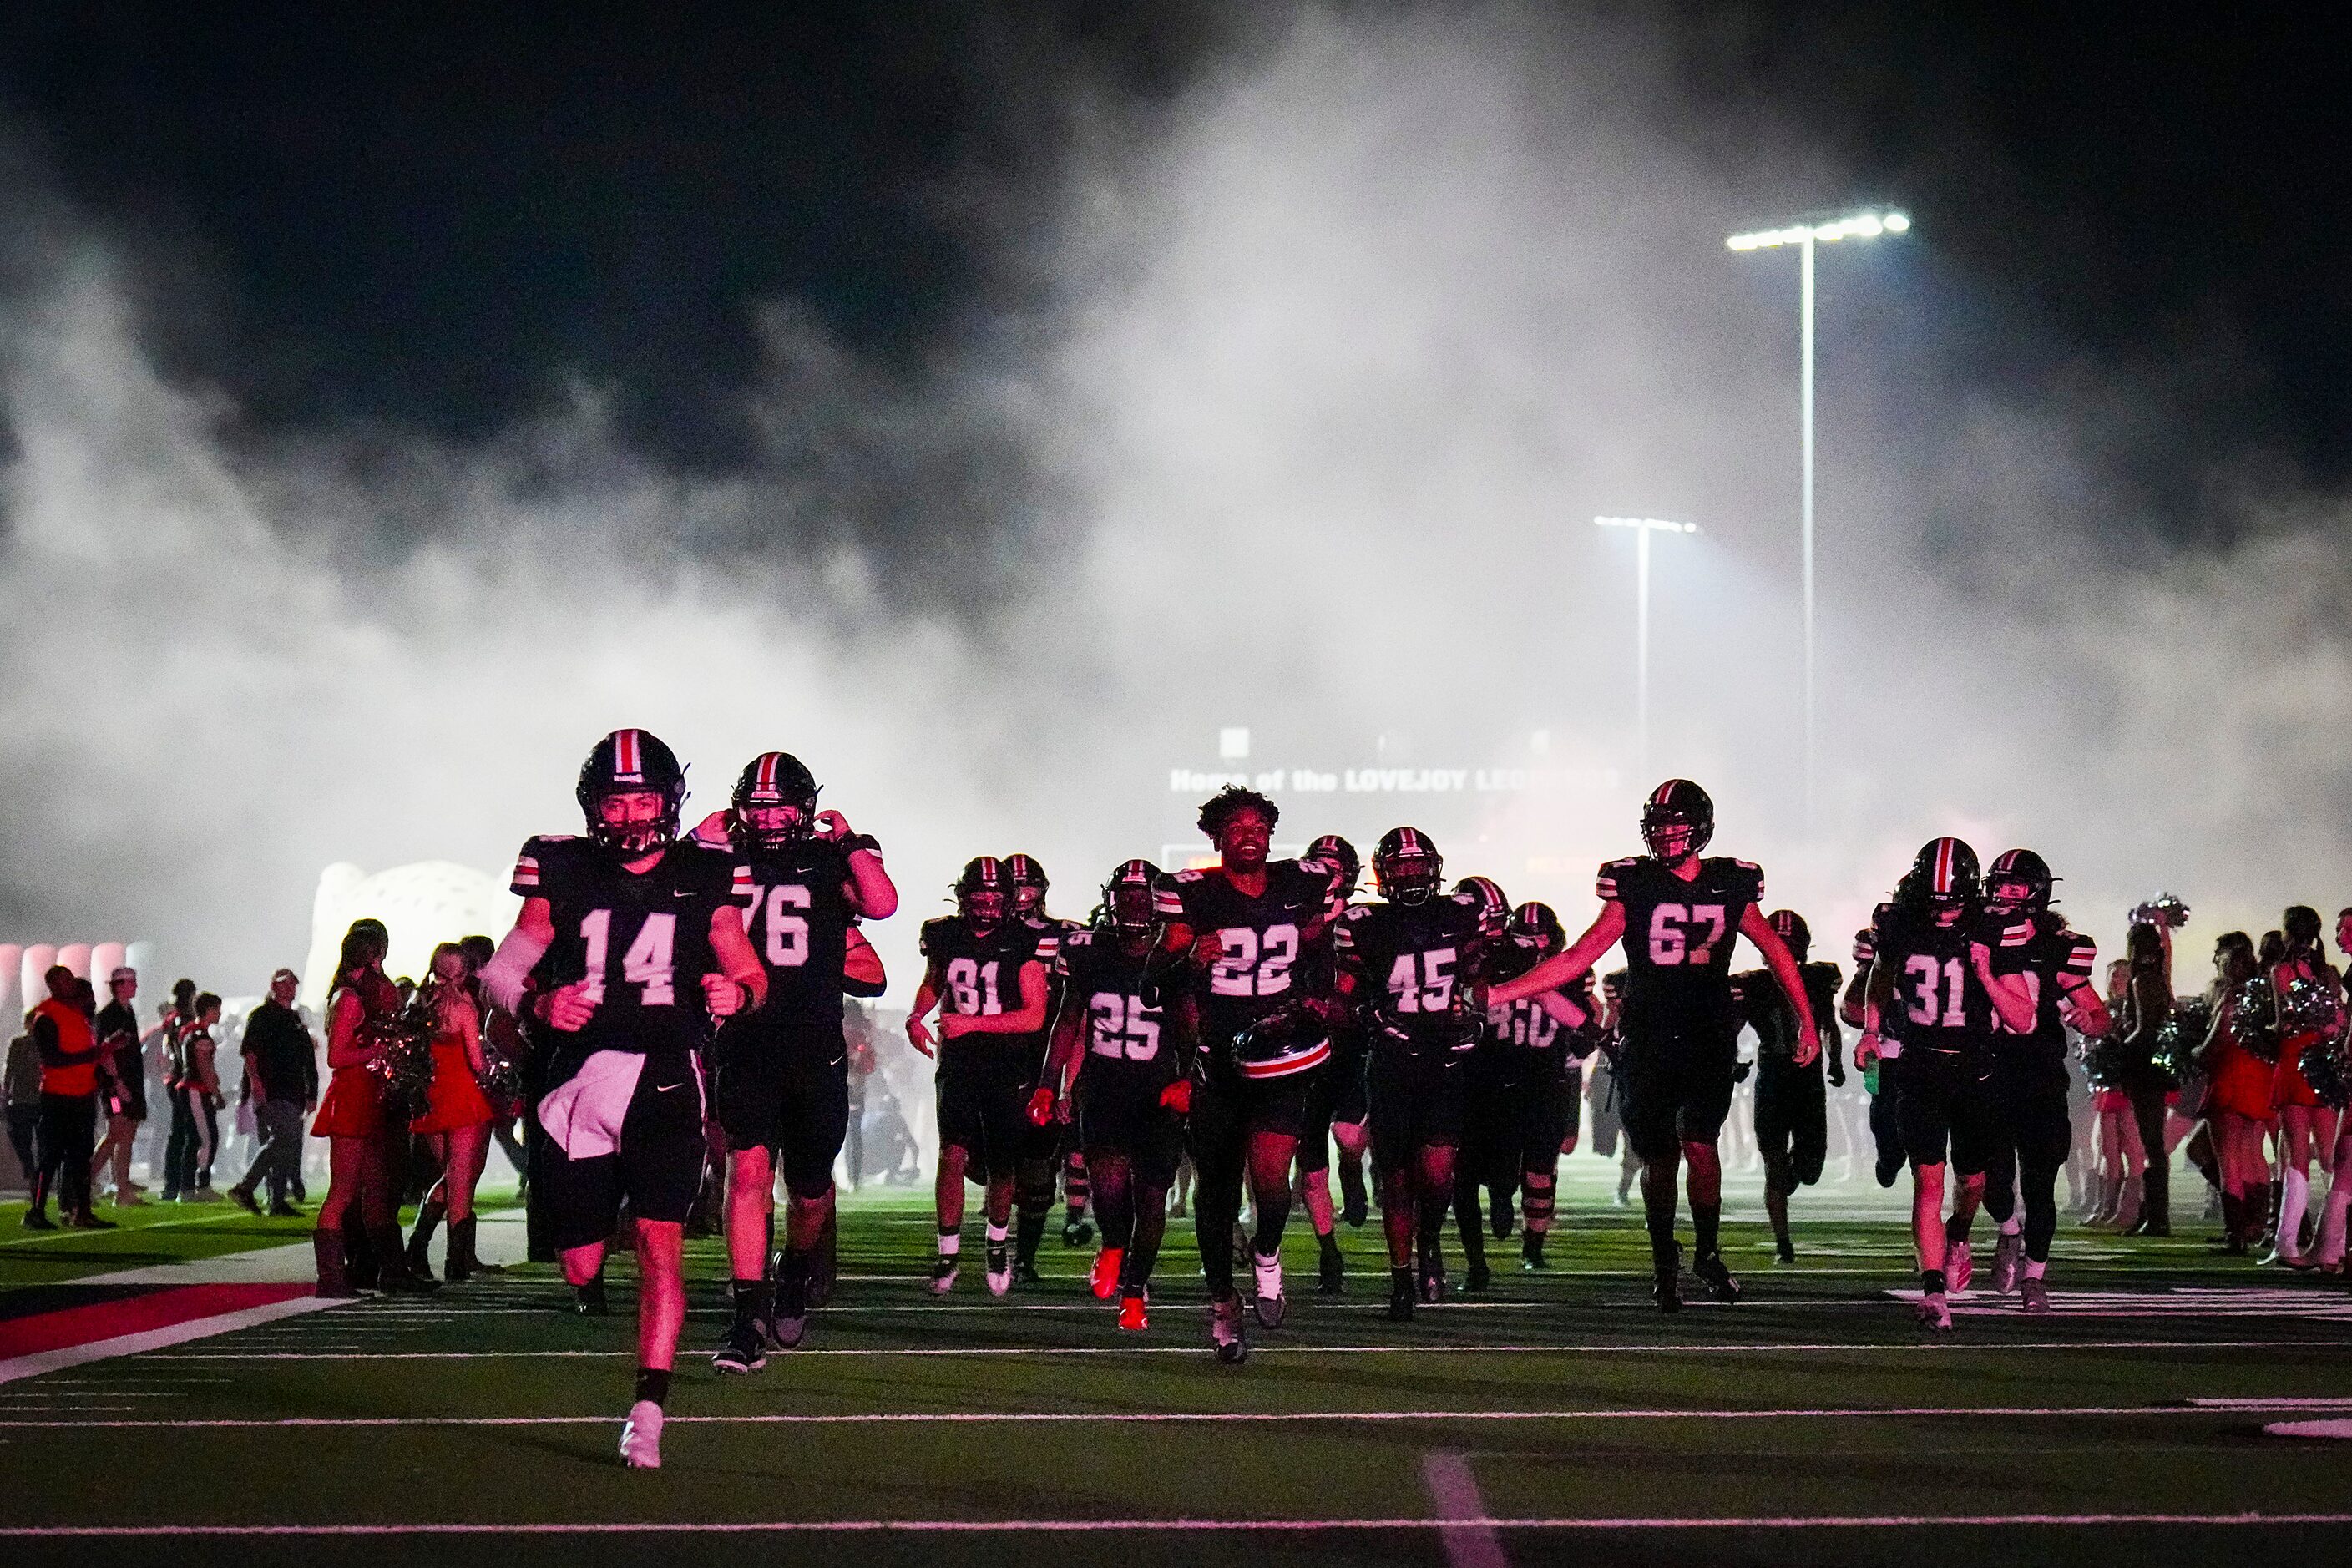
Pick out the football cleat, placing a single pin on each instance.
(1134, 1314)
(1935, 1312)
(588, 1301)
(1268, 1274)
(999, 1267)
(1331, 1269)
(1785, 1252)
(1500, 1214)
(1716, 1274)
(744, 1351)
(1355, 1207)
(1400, 1294)
(2008, 1262)
(1666, 1282)
(1474, 1278)
(1226, 1333)
(1105, 1275)
(1078, 1233)
(2032, 1295)
(788, 1323)
(1959, 1266)
(1531, 1252)
(943, 1275)
(1433, 1281)
(640, 1436)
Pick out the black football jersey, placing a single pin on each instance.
(640, 941)
(1411, 962)
(1679, 935)
(796, 912)
(1937, 1004)
(1267, 961)
(1765, 1008)
(2051, 955)
(980, 973)
(1125, 1038)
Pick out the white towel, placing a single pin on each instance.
(584, 1113)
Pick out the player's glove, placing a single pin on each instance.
(1041, 1106)
(1178, 1097)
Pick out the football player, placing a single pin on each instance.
(1047, 1153)
(1335, 1097)
(1246, 926)
(1544, 1041)
(2040, 984)
(1928, 1016)
(1406, 964)
(1494, 1086)
(643, 949)
(1885, 1132)
(1792, 1124)
(988, 966)
(802, 878)
(1132, 1052)
(1677, 916)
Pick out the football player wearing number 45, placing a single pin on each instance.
(802, 878)
(1677, 915)
(642, 947)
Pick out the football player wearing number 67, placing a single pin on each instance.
(800, 878)
(643, 948)
(1678, 916)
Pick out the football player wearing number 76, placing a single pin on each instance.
(1678, 916)
(642, 947)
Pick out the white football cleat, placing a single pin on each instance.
(640, 1436)
(1268, 1272)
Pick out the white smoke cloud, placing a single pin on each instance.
(1340, 354)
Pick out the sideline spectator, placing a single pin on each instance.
(124, 1091)
(281, 1072)
(67, 1046)
(195, 1107)
(20, 1095)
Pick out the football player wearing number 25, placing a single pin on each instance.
(1677, 915)
(644, 948)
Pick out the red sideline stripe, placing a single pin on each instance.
(135, 1315)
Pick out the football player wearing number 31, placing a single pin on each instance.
(642, 947)
(802, 878)
(1678, 915)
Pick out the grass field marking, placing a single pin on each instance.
(1933, 1347)
(228, 1211)
(19, 1367)
(1173, 1417)
(1454, 1493)
(1135, 1526)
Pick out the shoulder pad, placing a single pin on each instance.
(1605, 884)
(536, 854)
(1189, 874)
(2081, 953)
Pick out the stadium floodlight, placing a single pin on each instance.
(1805, 234)
(1642, 528)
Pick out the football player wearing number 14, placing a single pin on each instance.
(800, 877)
(642, 947)
(1677, 915)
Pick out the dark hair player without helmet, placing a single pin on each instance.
(1677, 915)
(643, 947)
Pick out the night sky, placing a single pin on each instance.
(435, 223)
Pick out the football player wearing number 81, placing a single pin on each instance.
(802, 878)
(644, 948)
(1678, 916)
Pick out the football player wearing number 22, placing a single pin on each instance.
(1677, 915)
(642, 949)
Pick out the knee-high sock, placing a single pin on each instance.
(2333, 1214)
(2295, 1198)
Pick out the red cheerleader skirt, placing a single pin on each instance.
(2242, 1084)
(2288, 1086)
(353, 1106)
(454, 1099)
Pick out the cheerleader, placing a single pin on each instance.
(2307, 1010)
(352, 1118)
(2122, 1158)
(2238, 1103)
(458, 1115)
(2330, 1255)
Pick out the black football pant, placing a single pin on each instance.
(1242, 1126)
(2034, 1135)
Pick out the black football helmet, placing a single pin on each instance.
(1494, 909)
(984, 894)
(1029, 884)
(2018, 882)
(1794, 934)
(631, 762)
(1339, 853)
(1539, 923)
(1126, 897)
(1944, 876)
(1406, 866)
(1678, 820)
(768, 781)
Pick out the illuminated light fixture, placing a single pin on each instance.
(1805, 235)
(1642, 528)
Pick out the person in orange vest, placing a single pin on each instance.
(68, 1045)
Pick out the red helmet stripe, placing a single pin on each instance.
(624, 754)
(768, 771)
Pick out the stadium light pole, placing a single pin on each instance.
(1805, 235)
(1642, 528)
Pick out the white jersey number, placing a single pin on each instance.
(1929, 978)
(1124, 1027)
(1423, 983)
(650, 962)
(1252, 965)
(1672, 927)
(788, 933)
(972, 986)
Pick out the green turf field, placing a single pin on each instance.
(1560, 1415)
